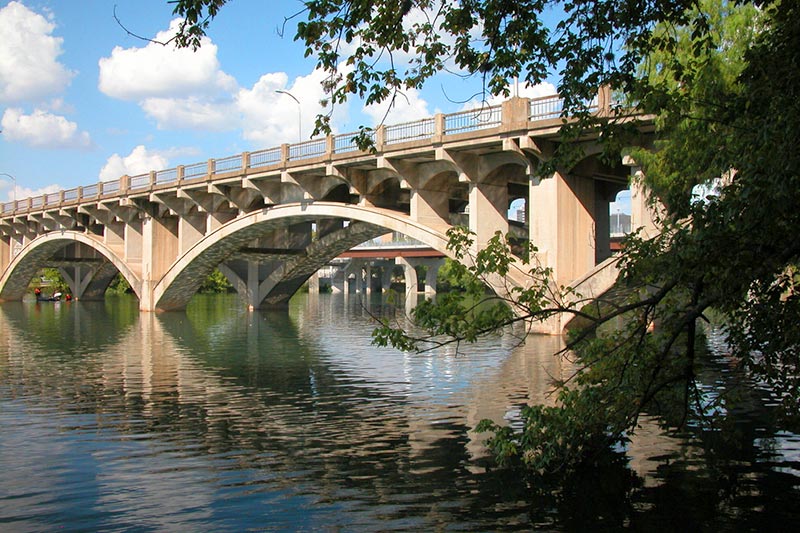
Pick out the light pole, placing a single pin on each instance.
(14, 191)
(299, 114)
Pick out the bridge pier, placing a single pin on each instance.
(642, 215)
(563, 226)
(488, 206)
(78, 278)
(160, 247)
(410, 265)
(386, 275)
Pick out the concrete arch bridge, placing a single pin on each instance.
(270, 219)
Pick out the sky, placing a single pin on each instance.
(82, 100)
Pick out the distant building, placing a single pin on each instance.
(620, 224)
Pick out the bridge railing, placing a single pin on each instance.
(265, 158)
(89, 191)
(410, 131)
(344, 143)
(166, 176)
(227, 164)
(475, 119)
(140, 181)
(308, 149)
(544, 108)
(110, 187)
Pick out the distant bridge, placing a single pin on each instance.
(270, 219)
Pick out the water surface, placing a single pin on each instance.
(220, 419)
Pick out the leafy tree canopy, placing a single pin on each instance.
(721, 80)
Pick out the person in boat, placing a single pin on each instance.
(38, 292)
(68, 297)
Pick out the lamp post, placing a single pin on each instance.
(299, 114)
(14, 191)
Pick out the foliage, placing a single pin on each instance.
(55, 281)
(447, 278)
(377, 49)
(216, 282)
(197, 15)
(721, 80)
(119, 285)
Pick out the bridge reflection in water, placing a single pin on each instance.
(221, 419)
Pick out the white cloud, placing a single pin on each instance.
(28, 52)
(42, 129)
(178, 88)
(270, 118)
(525, 91)
(181, 89)
(408, 106)
(139, 161)
(532, 91)
(158, 71)
(191, 113)
(25, 192)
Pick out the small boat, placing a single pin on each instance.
(56, 297)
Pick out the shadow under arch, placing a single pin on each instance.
(36, 254)
(178, 285)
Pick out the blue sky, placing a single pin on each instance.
(82, 101)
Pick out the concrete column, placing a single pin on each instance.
(432, 272)
(191, 228)
(368, 277)
(253, 284)
(160, 248)
(338, 280)
(5, 253)
(133, 244)
(488, 207)
(386, 276)
(18, 241)
(604, 194)
(313, 283)
(430, 207)
(562, 225)
(114, 237)
(410, 275)
(78, 278)
(642, 216)
(354, 267)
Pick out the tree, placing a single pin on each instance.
(119, 285)
(55, 280)
(720, 78)
(216, 282)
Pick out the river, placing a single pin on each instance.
(217, 419)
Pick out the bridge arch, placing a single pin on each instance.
(38, 253)
(181, 281)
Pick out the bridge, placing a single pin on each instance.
(376, 265)
(270, 219)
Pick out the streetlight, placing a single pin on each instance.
(14, 192)
(299, 114)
